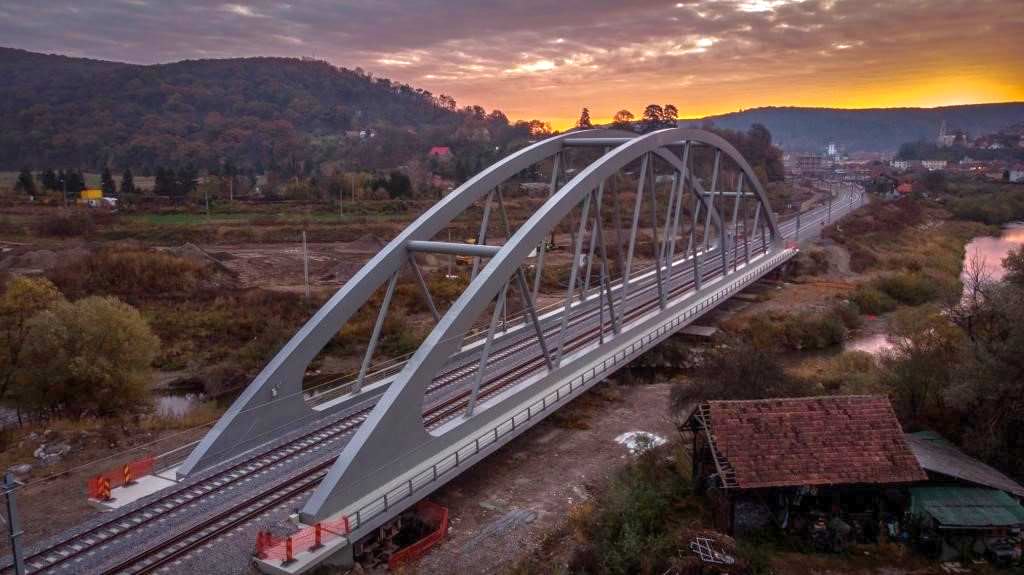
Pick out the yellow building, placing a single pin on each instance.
(91, 194)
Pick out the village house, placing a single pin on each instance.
(839, 469)
(440, 152)
(1015, 174)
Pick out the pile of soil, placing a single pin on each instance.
(26, 261)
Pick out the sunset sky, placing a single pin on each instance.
(546, 60)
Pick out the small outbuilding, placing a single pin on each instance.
(823, 467)
(966, 505)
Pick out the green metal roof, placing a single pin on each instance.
(966, 506)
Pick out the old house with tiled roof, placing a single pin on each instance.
(840, 469)
(799, 460)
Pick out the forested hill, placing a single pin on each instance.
(258, 112)
(881, 130)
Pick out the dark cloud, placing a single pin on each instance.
(546, 59)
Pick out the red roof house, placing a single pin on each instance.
(824, 448)
(807, 441)
(905, 188)
(440, 151)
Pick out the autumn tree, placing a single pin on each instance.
(92, 356)
(186, 180)
(742, 368)
(584, 121)
(127, 183)
(72, 182)
(107, 183)
(49, 180)
(670, 114)
(164, 183)
(25, 184)
(623, 120)
(1013, 263)
(654, 115)
(22, 298)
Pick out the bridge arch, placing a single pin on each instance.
(273, 402)
(394, 430)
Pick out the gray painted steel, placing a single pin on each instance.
(273, 402)
(393, 439)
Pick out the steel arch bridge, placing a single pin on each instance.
(698, 228)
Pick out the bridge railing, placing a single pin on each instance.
(417, 483)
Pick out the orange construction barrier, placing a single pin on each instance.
(99, 488)
(283, 549)
(127, 474)
(431, 513)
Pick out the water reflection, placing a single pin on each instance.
(990, 251)
(177, 405)
(874, 344)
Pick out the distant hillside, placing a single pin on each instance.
(260, 113)
(878, 130)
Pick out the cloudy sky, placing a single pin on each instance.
(537, 59)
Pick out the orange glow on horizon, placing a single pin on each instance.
(926, 92)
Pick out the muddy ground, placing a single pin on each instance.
(502, 509)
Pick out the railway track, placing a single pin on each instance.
(208, 529)
(178, 546)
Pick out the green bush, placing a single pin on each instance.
(632, 530)
(803, 330)
(814, 330)
(871, 301)
(909, 288)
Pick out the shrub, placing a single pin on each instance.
(871, 301)
(128, 273)
(92, 356)
(852, 372)
(814, 331)
(849, 313)
(631, 530)
(804, 330)
(909, 288)
(811, 262)
(743, 368)
(66, 224)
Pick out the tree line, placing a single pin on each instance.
(71, 182)
(654, 117)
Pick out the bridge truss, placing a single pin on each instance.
(658, 228)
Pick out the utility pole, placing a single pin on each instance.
(831, 194)
(13, 526)
(451, 258)
(206, 197)
(305, 264)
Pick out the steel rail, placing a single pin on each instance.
(494, 385)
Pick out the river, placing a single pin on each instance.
(989, 250)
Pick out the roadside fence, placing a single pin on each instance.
(273, 548)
